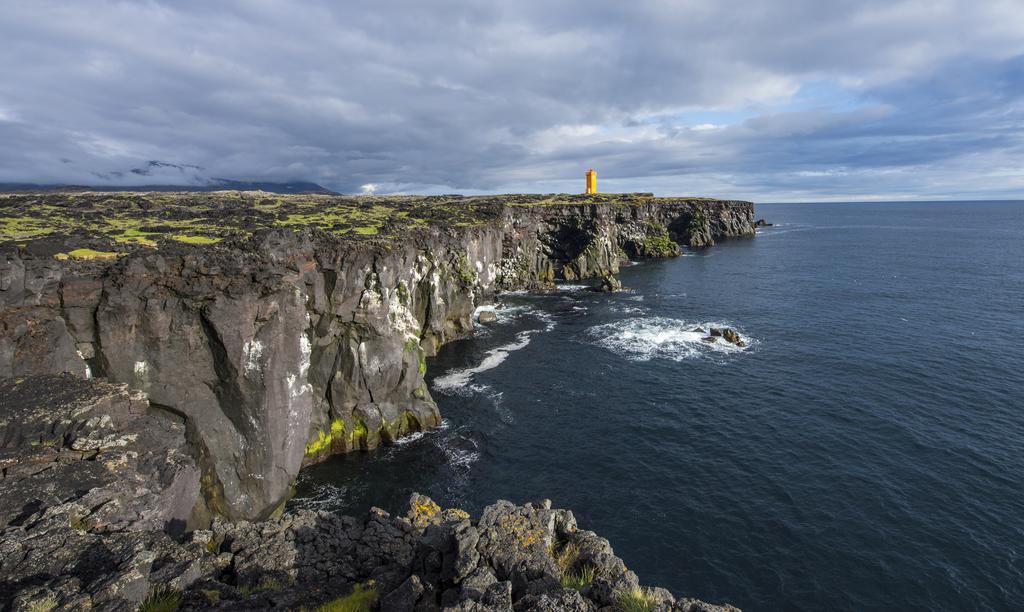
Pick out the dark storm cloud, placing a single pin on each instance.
(767, 100)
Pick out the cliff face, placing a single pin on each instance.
(283, 332)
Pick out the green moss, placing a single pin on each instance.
(657, 243)
(412, 345)
(142, 219)
(337, 427)
(137, 237)
(464, 270)
(163, 599)
(195, 239)
(320, 442)
(91, 254)
(361, 599)
(21, 228)
(359, 433)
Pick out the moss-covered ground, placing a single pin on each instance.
(94, 225)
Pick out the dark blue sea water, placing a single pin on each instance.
(866, 452)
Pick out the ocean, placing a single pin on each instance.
(865, 451)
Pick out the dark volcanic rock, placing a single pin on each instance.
(512, 558)
(609, 284)
(303, 331)
(95, 450)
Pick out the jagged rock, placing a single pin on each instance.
(694, 605)
(566, 600)
(609, 284)
(728, 334)
(762, 223)
(699, 330)
(486, 317)
(476, 584)
(303, 559)
(709, 339)
(404, 598)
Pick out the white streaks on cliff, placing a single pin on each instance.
(252, 352)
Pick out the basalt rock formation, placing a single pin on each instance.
(276, 330)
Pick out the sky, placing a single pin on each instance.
(783, 100)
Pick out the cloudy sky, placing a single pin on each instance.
(783, 100)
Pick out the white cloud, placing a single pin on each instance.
(457, 95)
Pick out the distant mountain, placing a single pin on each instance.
(211, 185)
(166, 176)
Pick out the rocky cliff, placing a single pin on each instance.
(276, 330)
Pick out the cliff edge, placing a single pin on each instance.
(281, 329)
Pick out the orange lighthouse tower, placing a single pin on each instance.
(591, 181)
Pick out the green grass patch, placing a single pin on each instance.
(136, 236)
(163, 599)
(89, 254)
(195, 239)
(22, 228)
(360, 599)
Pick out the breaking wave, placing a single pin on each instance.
(646, 338)
(458, 381)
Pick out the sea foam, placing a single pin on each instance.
(646, 338)
(457, 380)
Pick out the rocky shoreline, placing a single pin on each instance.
(168, 363)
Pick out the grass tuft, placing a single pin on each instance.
(361, 599)
(163, 599)
(567, 556)
(635, 599)
(580, 579)
(46, 604)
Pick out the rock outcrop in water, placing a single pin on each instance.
(170, 361)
